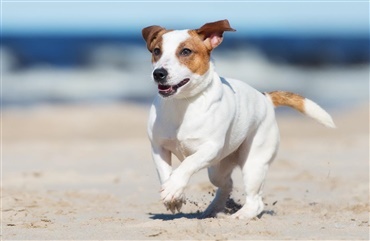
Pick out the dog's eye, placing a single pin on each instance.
(185, 52)
(156, 51)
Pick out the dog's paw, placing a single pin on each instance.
(251, 209)
(208, 214)
(212, 211)
(172, 194)
(174, 205)
(247, 213)
(242, 215)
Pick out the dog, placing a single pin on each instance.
(208, 121)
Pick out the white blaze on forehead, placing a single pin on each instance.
(171, 41)
(169, 60)
(178, 70)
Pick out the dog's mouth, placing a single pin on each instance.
(168, 90)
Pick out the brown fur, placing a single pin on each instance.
(201, 43)
(212, 33)
(287, 99)
(198, 61)
(153, 37)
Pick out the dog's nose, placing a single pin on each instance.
(160, 75)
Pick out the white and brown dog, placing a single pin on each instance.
(211, 122)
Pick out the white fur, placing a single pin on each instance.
(177, 71)
(168, 60)
(314, 111)
(213, 123)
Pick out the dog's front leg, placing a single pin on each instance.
(162, 161)
(172, 190)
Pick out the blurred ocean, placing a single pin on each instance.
(42, 69)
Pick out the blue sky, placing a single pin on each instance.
(249, 17)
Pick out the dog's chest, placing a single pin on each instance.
(181, 148)
(183, 141)
(184, 137)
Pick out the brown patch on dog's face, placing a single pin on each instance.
(156, 46)
(194, 54)
(153, 37)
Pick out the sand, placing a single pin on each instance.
(76, 172)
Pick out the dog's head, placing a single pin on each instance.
(181, 58)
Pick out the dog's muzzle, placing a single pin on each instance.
(160, 76)
(168, 90)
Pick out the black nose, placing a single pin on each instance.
(160, 75)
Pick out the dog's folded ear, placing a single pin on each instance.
(211, 33)
(150, 33)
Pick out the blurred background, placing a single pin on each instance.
(93, 52)
(76, 89)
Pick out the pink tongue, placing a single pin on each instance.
(164, 87)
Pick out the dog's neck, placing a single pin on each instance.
(200, 99)
(199, 86)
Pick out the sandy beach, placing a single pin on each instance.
(77, 172)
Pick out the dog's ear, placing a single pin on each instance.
(150, 33)
(211, 33)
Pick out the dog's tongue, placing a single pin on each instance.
(164, 88)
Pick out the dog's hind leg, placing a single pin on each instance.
(255, 157)
(220, 176)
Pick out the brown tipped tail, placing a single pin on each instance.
(302, 104)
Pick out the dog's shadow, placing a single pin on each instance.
(168, 217)
(230, 208)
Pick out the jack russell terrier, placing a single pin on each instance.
(208, 121)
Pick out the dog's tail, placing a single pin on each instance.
(302, 104)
